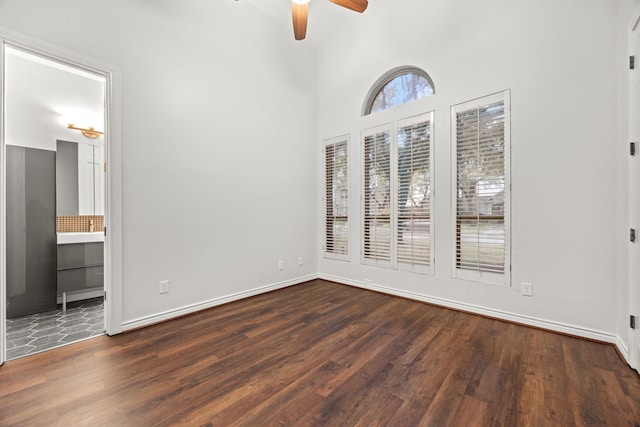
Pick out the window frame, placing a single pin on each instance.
(388, 127)
(408, 266)
(393, 262)
(387, 78)
(346, 139)
(503, 279)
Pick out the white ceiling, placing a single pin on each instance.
(38, 83)
(43, 96)
(323, 17)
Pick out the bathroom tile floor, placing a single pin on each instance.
(43, 331)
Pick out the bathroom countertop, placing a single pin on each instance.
(68, 238)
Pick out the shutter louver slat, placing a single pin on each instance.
(336, 199)
(377, 197)
(480, 166)
(413, 226)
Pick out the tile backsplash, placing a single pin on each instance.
(79, 224)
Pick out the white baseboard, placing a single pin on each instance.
(171, 314)
(498, 314)
(623, 350)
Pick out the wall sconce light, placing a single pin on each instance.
(89, 133)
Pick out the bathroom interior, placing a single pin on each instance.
(55, 169)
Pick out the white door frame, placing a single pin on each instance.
(633, 191)
(113, 178)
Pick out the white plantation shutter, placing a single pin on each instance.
(414, 194)
(336, 198)
(481, 152)
(377, 197)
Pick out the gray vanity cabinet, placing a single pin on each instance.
(80, 267)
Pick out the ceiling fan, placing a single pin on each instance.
(300, 8)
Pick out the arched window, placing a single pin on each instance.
(397, 87)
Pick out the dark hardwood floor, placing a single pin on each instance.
(327, 355)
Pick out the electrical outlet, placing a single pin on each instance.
(163, 287)
(281, 265)
(300, 261)
(527, 289)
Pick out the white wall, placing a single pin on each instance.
(559, 59)
(218, 141)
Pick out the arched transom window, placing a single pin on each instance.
(397, 87)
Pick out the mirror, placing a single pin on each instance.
(79, 179)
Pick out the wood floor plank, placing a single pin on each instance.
(473, 412)
(325, 354)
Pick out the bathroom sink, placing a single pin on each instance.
(67, 238)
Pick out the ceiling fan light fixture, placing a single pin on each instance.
(355, 5)
(299, 13)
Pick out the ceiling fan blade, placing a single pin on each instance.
(355, 5)
(299, 12)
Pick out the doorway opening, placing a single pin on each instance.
(54, 175)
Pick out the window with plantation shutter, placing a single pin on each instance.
(397, 194)
(336, 197)
(413, 219)
(377, 196)
(480, 130)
